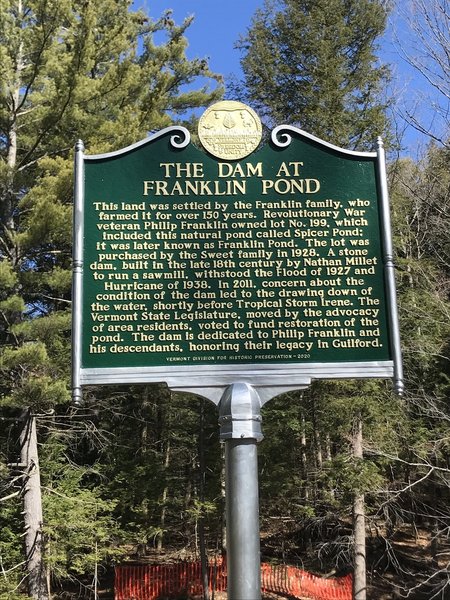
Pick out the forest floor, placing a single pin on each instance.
(404, 563)
(412, 565)
(398, 566)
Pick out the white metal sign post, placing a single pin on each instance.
(240, 428)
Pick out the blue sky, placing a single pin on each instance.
(216, 27)
(218, 24)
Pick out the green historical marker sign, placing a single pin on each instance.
(190, 267)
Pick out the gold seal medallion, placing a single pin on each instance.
(229, 130)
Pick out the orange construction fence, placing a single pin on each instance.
(153, 582)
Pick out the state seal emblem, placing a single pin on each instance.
(230, 130)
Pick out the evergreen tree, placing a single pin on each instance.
(313, 64)
(155, 443)
(418, 490)
(69, 69)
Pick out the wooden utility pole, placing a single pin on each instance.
(32, 509)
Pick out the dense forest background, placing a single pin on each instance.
(139, 471)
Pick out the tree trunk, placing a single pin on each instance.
(32, 510)
(304, 457)
(165, 494)
(359, 522)
(329, 458)
(317, 439)
(318, 458)
(144, 449)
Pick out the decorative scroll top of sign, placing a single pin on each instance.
(230, 130)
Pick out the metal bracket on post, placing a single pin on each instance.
(240, 413)
(240, 428)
